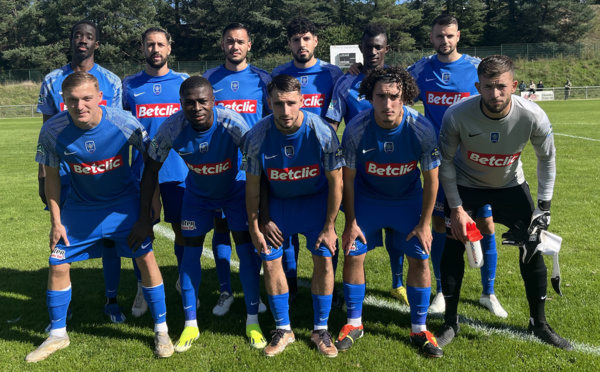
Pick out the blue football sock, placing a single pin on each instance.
(490, 261)
(354, 295)
(418, 298)
(155, 297)
(396, 259)
(111, 268)
(437, 249)
(221, 244)
(58, 304)
(249, 276)
(289, 261)
(190, 276)
(321, 307)
(280, 309)
(178, 248)
(136, 270)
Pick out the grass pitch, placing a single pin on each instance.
(485, 342)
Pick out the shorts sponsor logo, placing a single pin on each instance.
(313, 100)
(493, 160)
(391, 169)
(445, 98)
(156, 110)
(211, 169)
(157, 89)
(98, 167)
(293, 173)
(41, 99)
(241, 106)
(40, 149)
(63, 107)
(353, 247)
(58, 254)
(448, 223)
(188, 225)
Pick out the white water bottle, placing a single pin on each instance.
(473, 246)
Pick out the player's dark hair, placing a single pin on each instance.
(300, 25)
(284, 83)
(236, 26)
(445, 20)
(86, 22)
(194, 82)
(79, 78)
(398, 75)
(373, 30)
(155, 30)
(495, 65)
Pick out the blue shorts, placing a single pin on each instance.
(373, 215)
(197, 214)
(301, 215)
(86, 230)
(171, 194)
(438, 208)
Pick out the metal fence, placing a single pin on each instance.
(524, 51)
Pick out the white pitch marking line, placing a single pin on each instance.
(583, 138)
(507, 331)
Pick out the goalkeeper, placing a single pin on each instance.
(481, 141)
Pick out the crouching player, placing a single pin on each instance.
(300, 156)
(102, 204)
(207, 137)
(382, 189)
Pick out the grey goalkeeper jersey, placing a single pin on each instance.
(480, 152)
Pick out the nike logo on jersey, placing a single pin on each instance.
(217, 91)
(138, 94)
(360, 98)
(473, 135)
(70, 153)
(428, 80)
(144, 246)
(365, 151)
(184, 153)
(267, 157)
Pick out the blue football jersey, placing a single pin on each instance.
(386, 160)
(211, 156)
(152, 99)
(443, 84)
(294, 163)
(245, 92)
(345, 102)
(51, 102)
(98, 158)
(317, 83)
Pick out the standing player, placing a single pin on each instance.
(101, 205)
(346, 103)
(152, 96)
(299, 154)
(481, 141)
(317, 79)
(444, 79)
(382, 189)
(85, 39)
(207, 137)
(242, 88)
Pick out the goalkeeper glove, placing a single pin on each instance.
(540, 220)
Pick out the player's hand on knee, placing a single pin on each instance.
(272, 234)
(423, 233)
(458, 223)
(139, 232)
(350, 235)
(540, 220)
(57, 233)
(259, 242)
(327, 237)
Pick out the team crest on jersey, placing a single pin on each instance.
(289, 151)
(494, 137)
(157, 88)
(388, 147)
(90, 146)
(235, 85)
(446, 77)
(303, 80)
(204, 147)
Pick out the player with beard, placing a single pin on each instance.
(317, 79)
(444, 79)
(481, 141)
(241, 87)
(85, 40)
(152, 96)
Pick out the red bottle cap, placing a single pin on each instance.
(473, 233)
